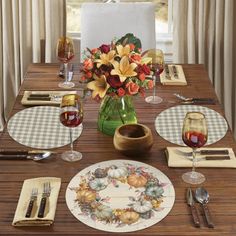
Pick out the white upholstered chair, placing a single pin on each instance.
(102, 22)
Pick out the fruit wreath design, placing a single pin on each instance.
(148, 188)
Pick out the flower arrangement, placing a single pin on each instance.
(117, 69)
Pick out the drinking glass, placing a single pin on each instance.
(157, 56)
(65, 52)
(71, 115)
(194, 135)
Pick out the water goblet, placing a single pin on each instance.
(65, 53)
(157, 56)
(194, 135)
(71, 115)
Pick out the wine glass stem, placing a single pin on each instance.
(154, 86)
(194, 159)
(71, 141)
(66, 72)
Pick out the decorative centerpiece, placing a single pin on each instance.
(133, 139)
(115, 73)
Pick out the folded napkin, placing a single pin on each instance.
(177, 159)
(45, 97)
(20, 219)
(181, 80)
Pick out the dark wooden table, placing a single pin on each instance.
(96, 147)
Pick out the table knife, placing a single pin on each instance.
(39, 95)
(204, 152)
(190, 202)
(22, 152)
(39, 98)
(175, 72)
(167, 72)
(199, 101)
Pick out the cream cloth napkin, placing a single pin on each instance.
(176, 159)
(49, 214)
(56, 97)
(181, 80)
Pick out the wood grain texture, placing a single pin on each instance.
(97, 147)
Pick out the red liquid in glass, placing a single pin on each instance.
(194, 139)
(159, 71)
(71, 118)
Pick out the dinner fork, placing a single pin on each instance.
(45, 195)
(33, 197)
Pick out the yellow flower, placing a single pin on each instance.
(106, 59)
(123, 51)
(124, 69)
(146, 60)
(99, 86)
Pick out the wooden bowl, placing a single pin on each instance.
(133, 139)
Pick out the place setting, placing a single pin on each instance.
(120, 196)
(37, 202)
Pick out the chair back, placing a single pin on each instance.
(102, 22)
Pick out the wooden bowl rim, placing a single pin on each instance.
(145, 128)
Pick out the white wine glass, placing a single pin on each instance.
(65, 53)
(71, 116)
(194, 135)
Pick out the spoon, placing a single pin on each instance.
(202, 197)
(35, 157)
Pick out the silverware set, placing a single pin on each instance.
(44, 97)
(201, 196)
(168, 73)
(44, 198)
(187, 101)
(25, 155)
(209, 155)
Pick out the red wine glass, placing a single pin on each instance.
(65, 53)
(71, 115)
(194, 135)
(157, 56)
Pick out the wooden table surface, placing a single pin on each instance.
(96, 147)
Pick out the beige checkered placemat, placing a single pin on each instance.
(40, 127)
(169, 123)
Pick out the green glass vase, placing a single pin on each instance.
(115, 111)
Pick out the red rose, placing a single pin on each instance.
(121, 92)
(114, 81)
(132, 88)
(136, 58)
(144, 69)
(142, 77)
(150, 84)
(105, 48)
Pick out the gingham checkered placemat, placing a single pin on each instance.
(40, 127)
(169, 123)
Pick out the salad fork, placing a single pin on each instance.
(46, 193)
(33, 197)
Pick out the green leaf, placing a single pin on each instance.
(130, 38)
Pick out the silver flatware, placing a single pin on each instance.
(35, 97)
(24, 156)
(33, 198)
(186, 100)
(202, 197)
(175, 72)
(167, 72)
(45, 195)
(191, 203)
(203, 152)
